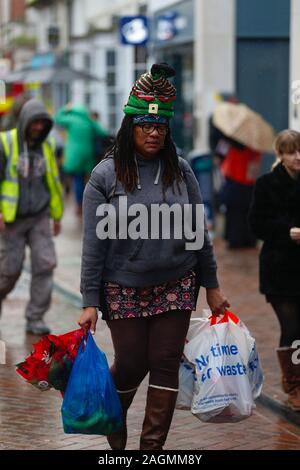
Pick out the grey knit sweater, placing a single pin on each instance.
(140, 262)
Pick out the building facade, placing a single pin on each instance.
(249, 49)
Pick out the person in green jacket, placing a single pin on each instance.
(79, 152)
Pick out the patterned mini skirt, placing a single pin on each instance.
(136, 302)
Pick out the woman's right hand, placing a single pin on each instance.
(88, 319)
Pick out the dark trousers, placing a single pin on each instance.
(153, 344)
(237, 199)
(36, 233)
(79, 184)
(287, 310)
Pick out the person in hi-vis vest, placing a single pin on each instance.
(30, 195)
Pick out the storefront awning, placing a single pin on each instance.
(57, 74)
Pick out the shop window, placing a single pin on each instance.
(111, 89)
(110, 58)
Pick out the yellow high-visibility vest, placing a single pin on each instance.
(9, 187)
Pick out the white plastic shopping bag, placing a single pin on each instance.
(255, 373)
(227, 373)
(187, 379)
(187, 374)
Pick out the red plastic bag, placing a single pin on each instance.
(50, 363)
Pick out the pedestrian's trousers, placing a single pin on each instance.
(36, 233)
(152, 344)
(287, 310)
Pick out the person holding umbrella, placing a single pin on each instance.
(238, 135)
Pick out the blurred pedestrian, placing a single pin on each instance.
(239, 167)
(102, 142)
(146, 288)
(275, 219)
(30, 195)
(10, 120)
(79, 150)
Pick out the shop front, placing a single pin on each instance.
(172, 42)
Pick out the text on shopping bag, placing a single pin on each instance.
(221, 351)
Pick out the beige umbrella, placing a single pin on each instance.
(244, 125)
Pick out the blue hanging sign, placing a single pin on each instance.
(166, 26)
(134, 30)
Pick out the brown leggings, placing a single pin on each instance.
(153, 344)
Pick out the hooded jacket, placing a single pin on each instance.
(140, 262)
(34, 195)
(80, 148)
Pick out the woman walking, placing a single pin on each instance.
(275, 219)
(147, 286)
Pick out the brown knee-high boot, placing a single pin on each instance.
(117, 440)
(290, 377)
(159, 413)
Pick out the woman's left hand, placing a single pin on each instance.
(217, 301)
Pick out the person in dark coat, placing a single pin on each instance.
(275, 219)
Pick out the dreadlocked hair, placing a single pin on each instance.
(123, 153)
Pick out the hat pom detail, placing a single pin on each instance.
(162, 70)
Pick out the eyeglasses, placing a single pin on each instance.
(149, 128)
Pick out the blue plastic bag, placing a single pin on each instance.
(91, 404)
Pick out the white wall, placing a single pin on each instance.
(154, 5)
(214, 57)
(62, 22)
(214, 60)
(78, 18)
(294, 108)
(5, 11)
(4, 23)
(106, 9)
(99, 14)
(52, 15)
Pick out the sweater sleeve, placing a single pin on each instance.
(266, 221)
(93, 248)
(207, 265)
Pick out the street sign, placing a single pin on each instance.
(134, 30)
(166, 26)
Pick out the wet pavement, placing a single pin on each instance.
(30, 419)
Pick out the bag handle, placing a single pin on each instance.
(85, 337)
(225, 319)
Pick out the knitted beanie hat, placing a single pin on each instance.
(153, 93)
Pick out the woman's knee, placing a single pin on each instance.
(164, 369)
(128, 372)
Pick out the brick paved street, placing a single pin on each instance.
(30, 419)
